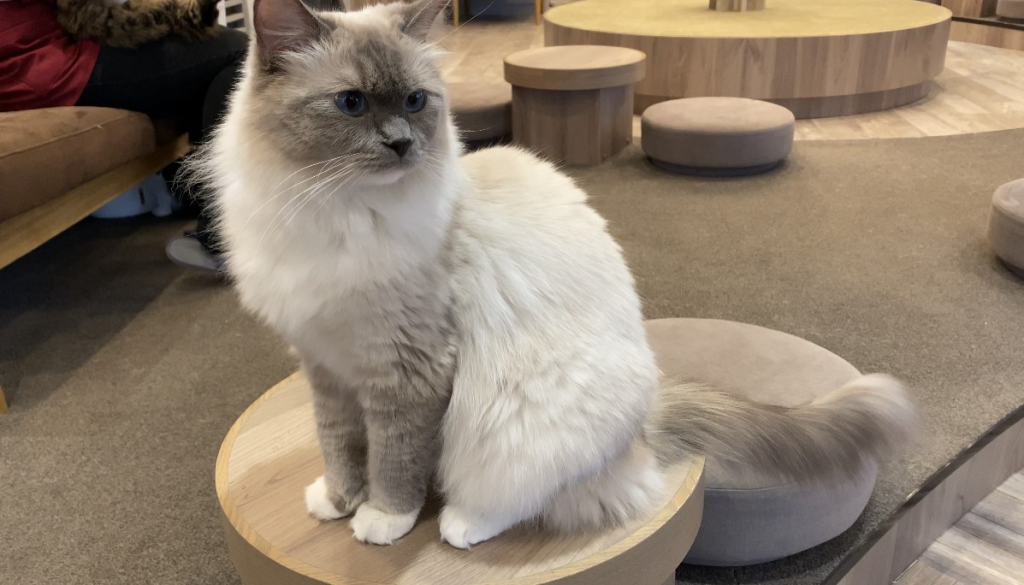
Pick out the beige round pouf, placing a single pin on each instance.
(717, 136)
(482, 111)
(1006, 226)
(1010, 9)
(750, 518)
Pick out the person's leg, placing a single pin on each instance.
(172, 77)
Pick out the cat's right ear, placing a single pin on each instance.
(418, 16)
(285, 26)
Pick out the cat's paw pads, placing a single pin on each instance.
(322, 507)
(461, 530)
(377, 527)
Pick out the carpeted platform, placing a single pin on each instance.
(125, 373)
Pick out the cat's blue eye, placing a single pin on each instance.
(351, 103)
(415, 101)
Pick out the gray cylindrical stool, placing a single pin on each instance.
(749, 518)
(1010, 9)
(717, 136)
(482, 111)
(1006, 226)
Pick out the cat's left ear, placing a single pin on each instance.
(418, 17)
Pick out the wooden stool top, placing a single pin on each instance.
(575, 67)
(271, 454)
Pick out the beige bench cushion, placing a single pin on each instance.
(46, 153)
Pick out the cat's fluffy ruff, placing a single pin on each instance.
(485, 276)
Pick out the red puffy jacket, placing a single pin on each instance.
(41, 66)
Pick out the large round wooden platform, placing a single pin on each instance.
(271, 454)
(819, 59)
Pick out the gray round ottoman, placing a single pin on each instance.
(1010, 9)
(717, 136)
(482, 111)
(1006, 226)
(749, 518)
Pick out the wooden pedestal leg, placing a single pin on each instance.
(580, 127)
(736, 5)
(538, 9)
(3, 401)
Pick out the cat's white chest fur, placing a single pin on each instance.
(311, 269)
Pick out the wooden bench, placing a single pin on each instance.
(59, 165)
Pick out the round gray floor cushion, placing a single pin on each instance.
(749, 518)
(482, 111)
(1006, 225)
(720, 136)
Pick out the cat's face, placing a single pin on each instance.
(360, 90)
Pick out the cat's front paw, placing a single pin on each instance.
(463, 530)
(378, 527)
(324, 507)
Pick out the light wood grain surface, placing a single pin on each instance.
(971, 8)
(793, 50)
(271, 454)
(574, 68)
(985, 547)
(993, 36)
(980, 90)
(573, 127)
(781, 18)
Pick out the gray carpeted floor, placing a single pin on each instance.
(125, 373)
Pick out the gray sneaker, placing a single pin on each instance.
(189, 253)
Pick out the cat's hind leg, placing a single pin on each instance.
(627, 490)
(492, 484)
(465, 521)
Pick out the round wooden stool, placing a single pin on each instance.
(574, 104)
(271, 454)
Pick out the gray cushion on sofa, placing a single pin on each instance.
(750, 518)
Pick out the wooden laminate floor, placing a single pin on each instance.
(981, 89)
(986, 547)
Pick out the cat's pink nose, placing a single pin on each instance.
(400, 146)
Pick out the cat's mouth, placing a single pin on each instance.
(383, 169)
(386, 172)
(389, 161)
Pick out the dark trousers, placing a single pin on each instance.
(171, 78)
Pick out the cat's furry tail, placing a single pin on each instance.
(868, 417)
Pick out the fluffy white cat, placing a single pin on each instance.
(464, 318)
